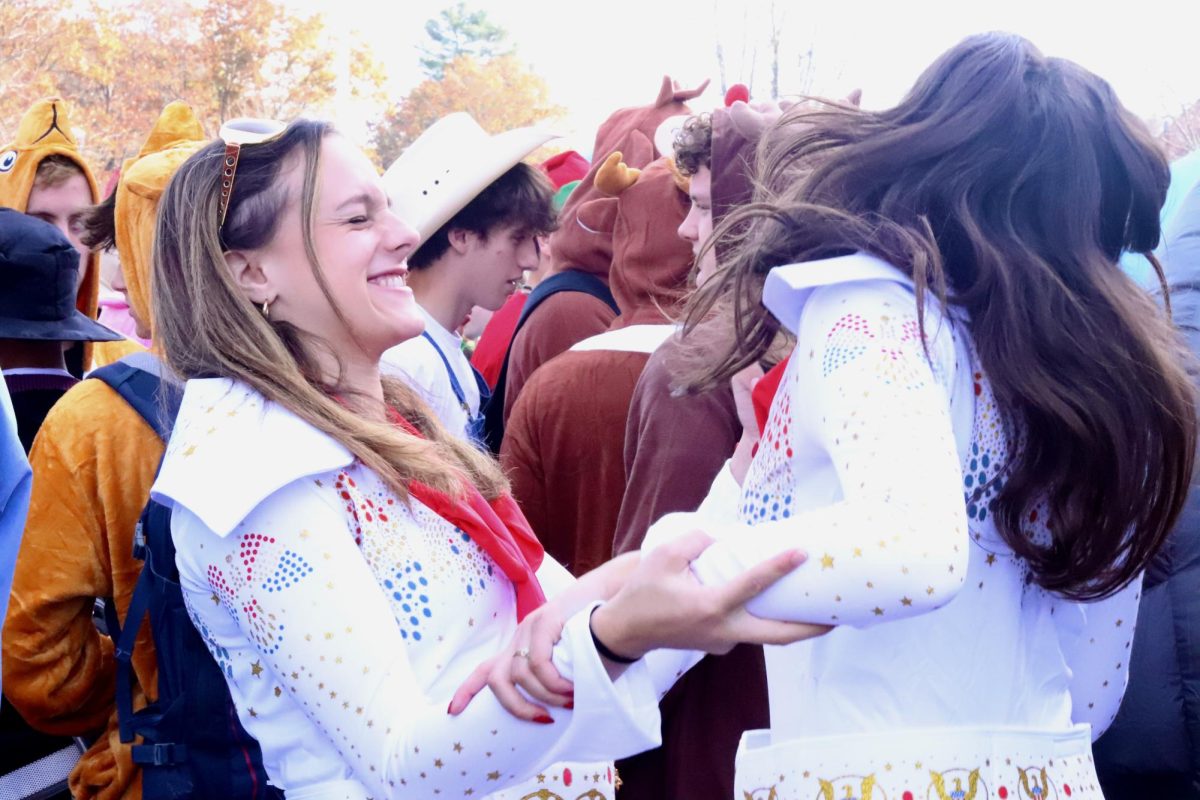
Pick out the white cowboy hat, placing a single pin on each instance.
(449, 165)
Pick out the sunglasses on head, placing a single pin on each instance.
(235, 133)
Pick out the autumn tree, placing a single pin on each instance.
(31, 47)
(457, 32)
(500, 94)
(119, 63)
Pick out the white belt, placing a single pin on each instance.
(923, 764)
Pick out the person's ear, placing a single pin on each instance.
(248, 274)
(460, 240)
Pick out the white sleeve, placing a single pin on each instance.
(867, 403)
(319, 627)
(1096, 642)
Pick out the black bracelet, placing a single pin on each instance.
(602, 648)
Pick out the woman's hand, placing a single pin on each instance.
(663, 605)
(743, 384)
(527, 660)
(526, 663)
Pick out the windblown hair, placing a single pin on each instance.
(522, 196)
(100, 224)
(208, 328)
(1008, 184)
(693, 144)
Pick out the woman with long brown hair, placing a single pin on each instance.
(984, 433)
(345, 558)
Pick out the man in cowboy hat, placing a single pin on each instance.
(39, 272)
(479, 210)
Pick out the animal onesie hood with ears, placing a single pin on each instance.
(583, 241)
(569, 480)
(45, 131)
(669, 468)
(94, 461)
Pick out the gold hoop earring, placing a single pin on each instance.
(266, 309)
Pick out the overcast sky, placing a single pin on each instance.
(601, 55)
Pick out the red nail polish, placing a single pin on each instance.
(570, 705)
(543, 719)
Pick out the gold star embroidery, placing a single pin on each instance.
(991, 559)
(887, 767)
(929, 590)
(358, 710)
(216, 600)
(437, 763)
(882, 544)
(905, 601)
(493, 776)
(278, 691)
(189, 451)
(1120, 623)
(253, 713)
(858, 552)
(878, 611)
(458, 748)
(541, 778)
(827, 561)
(333, 695)
(256, 669)
(918, 765)
(305, 534)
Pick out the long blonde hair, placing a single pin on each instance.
(208, 328)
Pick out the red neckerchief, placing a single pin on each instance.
(497, 526)
(763, 393)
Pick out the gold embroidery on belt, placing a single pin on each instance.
(958, 793)
(866, 788)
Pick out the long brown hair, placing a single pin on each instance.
(1009, 183)
(208, 328)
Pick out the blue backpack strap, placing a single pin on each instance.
(569, 280)
(454, 384)
(156, 401)
(475, 422)
(193, 745)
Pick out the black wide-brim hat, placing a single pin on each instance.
(38, 273)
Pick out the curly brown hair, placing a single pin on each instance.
(693, 144)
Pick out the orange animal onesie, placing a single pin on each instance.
(45, 131)
(93, 461)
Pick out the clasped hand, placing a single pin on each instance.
(652, 601)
